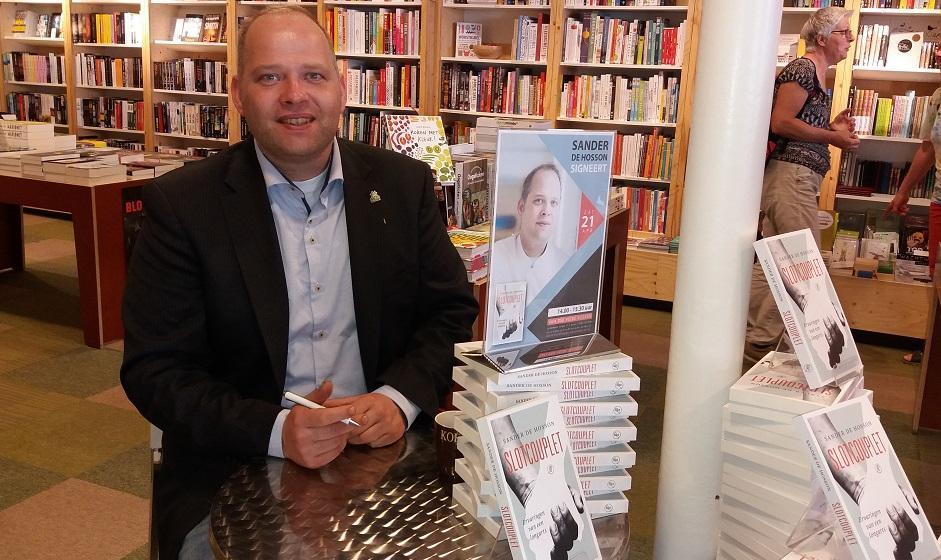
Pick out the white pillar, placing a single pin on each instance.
(731, 108)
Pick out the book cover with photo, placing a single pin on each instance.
(875, 509)
(550, 205)
(526, 452)
(810, 309)
(471, 193)
(423, 138)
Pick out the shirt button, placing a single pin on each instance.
(321, 334)
(318, 288)
(313, 241)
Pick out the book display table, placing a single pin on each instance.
(99, 243)
(368, 503)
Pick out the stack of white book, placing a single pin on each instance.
(485, 133)
(24, 137)
(766, 473)
(594, 395)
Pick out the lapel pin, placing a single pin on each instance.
(374, 197)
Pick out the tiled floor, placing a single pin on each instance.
(74, 460)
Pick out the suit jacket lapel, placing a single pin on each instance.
(255, 238)
(364, 221)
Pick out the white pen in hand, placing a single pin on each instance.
(297, 399)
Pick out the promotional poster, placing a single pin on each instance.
(547, 240)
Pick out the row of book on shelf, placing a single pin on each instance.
(393, 84)
(597, 39)
(878, 46)
(200, 28)
(621, 98)
(902, 4)
(191, 119)
(817, 3)
(530, 41)
(862, 177)
(192, 74)
(29, 67)
(897, 116)
(120, 28)
(30, 106)
(492, 89)
(28, 23)
(102, 70)
(643, 155)
(383, 31)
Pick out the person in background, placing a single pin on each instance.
(927, 157)
(801, 132)
(292, 261)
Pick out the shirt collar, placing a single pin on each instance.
(274, 177)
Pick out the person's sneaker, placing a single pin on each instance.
(913, 358)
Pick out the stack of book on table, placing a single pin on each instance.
(594, 396)
(766, 472)
(474, 248)
(32, 135)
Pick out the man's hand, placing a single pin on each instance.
(314, 437)
(380, 419)
(845, 140)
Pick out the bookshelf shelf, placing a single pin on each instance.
(895, 75)
(893, 139)
(483, 114)
(106, 2)
(108, 88)
(636, 124)
(899, 12)
(189, 137)
(40, 84)
(106, 45)
(31, 2)
(513, 7)
(61, 126)
(647, 9)
(35, 41)
(798, 11)
(491, 61)
(634, 67)
(119, 130)
(380, 56)
(645, 180)
(191, 46)
(190, 93)
(372, 107)
(373, 3)
(882, 199)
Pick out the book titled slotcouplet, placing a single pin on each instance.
(874, 506)
(547, 234)
(811, 311)
(527, 453)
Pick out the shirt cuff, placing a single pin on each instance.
(406, 406)
(274, 442)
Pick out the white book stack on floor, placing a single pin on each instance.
(766, 476)
(595, 398)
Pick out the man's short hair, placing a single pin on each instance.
(276, 10)
(528, 181)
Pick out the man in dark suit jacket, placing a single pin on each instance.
(212, 298)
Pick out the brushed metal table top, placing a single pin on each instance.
(367, 504)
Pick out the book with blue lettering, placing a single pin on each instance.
(547, 241)
(526, 451)
(874, 506)
(810, 309)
